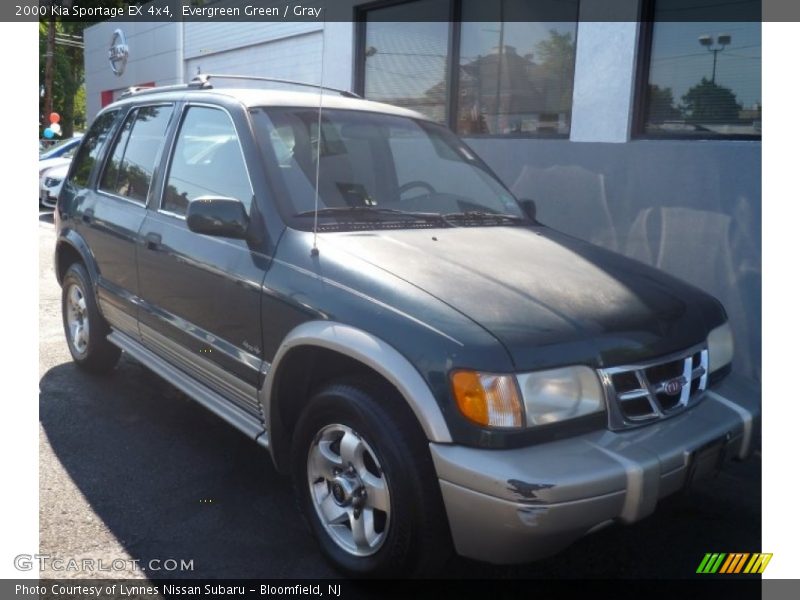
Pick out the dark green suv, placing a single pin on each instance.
(349, 285)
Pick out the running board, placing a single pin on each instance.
(205, 396)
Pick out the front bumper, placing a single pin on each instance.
(511, 506)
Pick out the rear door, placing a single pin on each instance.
(201, 294)
(115, 210)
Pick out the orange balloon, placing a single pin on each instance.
(55, 117)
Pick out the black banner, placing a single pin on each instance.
(143, 589)
(276, 11)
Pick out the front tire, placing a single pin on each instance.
(84, 326)
(365, 483)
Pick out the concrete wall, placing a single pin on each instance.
(283, 50)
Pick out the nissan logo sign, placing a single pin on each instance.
(118, 53)
(674, 386)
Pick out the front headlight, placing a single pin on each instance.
(538, 398)
(560, 394)
(720, 347)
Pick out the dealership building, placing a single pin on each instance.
(640, 135)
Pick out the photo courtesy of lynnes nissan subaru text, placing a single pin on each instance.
(349, 285)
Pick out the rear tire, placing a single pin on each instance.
(365, 482)
(84, 326)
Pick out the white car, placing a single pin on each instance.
(50, 182)
(47, 162)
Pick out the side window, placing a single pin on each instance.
(90, 148)
(207, 161)
(129, 170)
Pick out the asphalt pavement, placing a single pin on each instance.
(133, 470)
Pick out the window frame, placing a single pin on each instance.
(99, 163)
(452, 68)
(107, 153)
(644, 53)
(170, 155)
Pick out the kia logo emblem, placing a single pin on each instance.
(674, 386)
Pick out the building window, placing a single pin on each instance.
(502, 68)
(405, 63)
(703, 79)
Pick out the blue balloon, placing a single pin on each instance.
(49, 133)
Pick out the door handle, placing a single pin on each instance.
(152, 241)
(88, 216)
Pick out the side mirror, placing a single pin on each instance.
(529, 206)
(222, 217)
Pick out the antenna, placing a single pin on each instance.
(314, 249)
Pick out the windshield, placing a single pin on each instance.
(378, 169)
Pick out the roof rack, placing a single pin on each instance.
(195, 84)
(202, 80)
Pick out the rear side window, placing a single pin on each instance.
(207, 161)
(90, 149)
(129, 170)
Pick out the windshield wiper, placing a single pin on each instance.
(361, 211)
(484, 215)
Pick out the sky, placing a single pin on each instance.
(680, 62)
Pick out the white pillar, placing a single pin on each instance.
(605, 79)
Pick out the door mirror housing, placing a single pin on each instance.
(529, 206)
(221, 217)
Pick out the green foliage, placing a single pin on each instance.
(556, 57)
(69, 95)
(709, 102)
(557, 53)
(662, 105)
(79, 114)
(68, 75)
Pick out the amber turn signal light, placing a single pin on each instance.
(487, 399)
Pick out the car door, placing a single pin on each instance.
(201, 294)
(115, 210)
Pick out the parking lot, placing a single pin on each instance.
(130, 469)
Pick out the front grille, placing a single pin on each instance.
(641, 393)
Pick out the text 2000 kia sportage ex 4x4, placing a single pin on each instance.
(433, 367)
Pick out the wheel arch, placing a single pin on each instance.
(69, 248)
(341, 349)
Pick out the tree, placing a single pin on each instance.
(66, 78)
(662, 105)
(62, 77)
(556, 57)
(709, 102)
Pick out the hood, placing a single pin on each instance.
(548, 298)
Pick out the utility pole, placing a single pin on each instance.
(49, 60)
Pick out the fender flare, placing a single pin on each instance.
(369, 350)
(71, 238)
